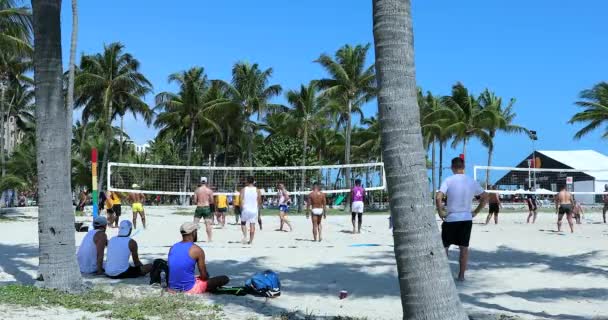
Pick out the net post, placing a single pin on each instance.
(94, 181)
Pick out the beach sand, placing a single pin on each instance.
(529, 271)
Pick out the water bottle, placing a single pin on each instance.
(163, 279)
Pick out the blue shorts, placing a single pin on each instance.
(284, 208)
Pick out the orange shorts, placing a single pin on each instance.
(200, 286)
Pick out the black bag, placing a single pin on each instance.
(160, 273)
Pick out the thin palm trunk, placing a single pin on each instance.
(188, 158)
(347, 174)
(72, 67)
(83, 136)
(57, 253)
(464, 148)
(433, 170)
(303, 181)
(226, 146)
(427, 287)
(490, 154)
(440, 163)
(122, 130)
(107, 142)
(3, 119)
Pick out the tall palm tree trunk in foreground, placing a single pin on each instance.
(427, 287)
(57, 254)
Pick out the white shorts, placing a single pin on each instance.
(357, 207)
(317, 211)
(249, 217)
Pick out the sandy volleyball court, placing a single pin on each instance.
(516, 269)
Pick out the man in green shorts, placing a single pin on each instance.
(203, 197)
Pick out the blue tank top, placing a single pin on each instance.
(181, 267)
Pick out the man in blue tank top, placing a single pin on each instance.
(183, 257)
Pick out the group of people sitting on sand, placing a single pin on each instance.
(183, 258)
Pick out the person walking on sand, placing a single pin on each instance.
(116, 207)
(357, 195)
(318, 202)
(221, 207)
(184, 256)
(458, 220)
(577, 211)
(532, 207)
(563, 206)
(203, 197)
(137, 200)
(236, 206)
(605, 199)
(494, 206)
(251, 202)
(284, 202)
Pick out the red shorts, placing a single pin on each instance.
(200, 286)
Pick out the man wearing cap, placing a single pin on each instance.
(203, 197)
(137, 199)
(605, 198)
(90, 252)
(120, 248)
(183, 256)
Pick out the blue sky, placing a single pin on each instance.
(540, 52)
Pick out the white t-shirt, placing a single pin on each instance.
(460, 190)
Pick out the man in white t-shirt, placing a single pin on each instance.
(458, 220)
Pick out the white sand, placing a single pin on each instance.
(515, 269)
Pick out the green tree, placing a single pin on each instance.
(57, 259)
(107, 83)
(350, 84)
(194, 107)
(249, 89)
(595, 103)
(19, 108)
(418, 249)
(15, 28)
(501, 120)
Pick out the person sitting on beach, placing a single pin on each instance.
(183, 256)
(120, 248)
(90, 252)
(577, 211)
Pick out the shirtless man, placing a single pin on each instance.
(284, 202)
(563, 205)
(495, 205)
(137, 205)
(605, 198)
(318, 202)
(532, 207)
(203, 197)
(577, 211)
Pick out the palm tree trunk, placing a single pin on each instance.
(122, 130)
(433, 170)
(108, 140)
(57, 253)
(72, 67)
(188, 158)
(303, 181)
(226, 146)
(2, 125)
(490, 153)
(83, 136)
(347, 176)
(464, 149)
(427, 287)
(440, 163)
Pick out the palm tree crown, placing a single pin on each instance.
(595, 102)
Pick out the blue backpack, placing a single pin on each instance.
(264, 284)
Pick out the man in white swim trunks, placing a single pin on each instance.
(318, 202)
(251, 202)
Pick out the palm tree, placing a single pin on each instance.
(250, 90)
(501, 120)
(595, 103)
(463, 118)
(307, 111)
(15, 28)
(57, 263)
(72, 65)
(194, 107)
(432, 131)
(19, 108)
(417, 247)
(351, 84)
(107, 83)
